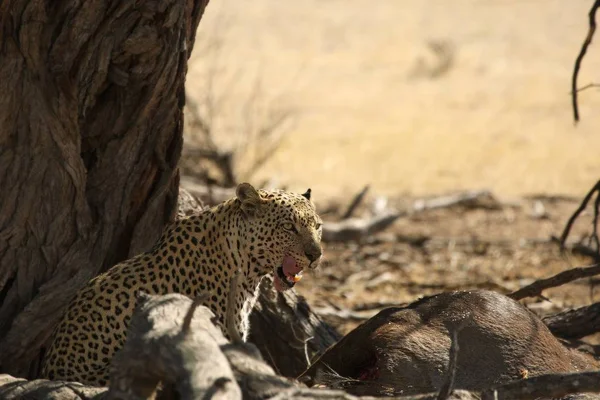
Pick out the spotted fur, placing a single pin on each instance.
(250, 233)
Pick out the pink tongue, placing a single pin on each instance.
(289, 266)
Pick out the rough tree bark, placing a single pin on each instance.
(91, 117)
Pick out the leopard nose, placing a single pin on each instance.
(313, 254)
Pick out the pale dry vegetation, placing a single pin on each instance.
(498, 118)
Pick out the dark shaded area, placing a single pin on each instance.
(286, 331)
(92, 119)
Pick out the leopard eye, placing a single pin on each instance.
(288, 226)
(319, 225)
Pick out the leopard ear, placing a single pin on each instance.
(249, 198)
(307, 194)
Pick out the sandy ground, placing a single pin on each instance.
(412, 96)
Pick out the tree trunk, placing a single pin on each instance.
(91, 119)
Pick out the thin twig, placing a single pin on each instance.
(594, 236)
(584, 47)
(265, 134)
(356, 202)
(536, 288)
(595, 189)
(306, 351)
(588, 86)
(187, 320)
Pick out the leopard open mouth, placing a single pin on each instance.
(288, 280)
(287, 274)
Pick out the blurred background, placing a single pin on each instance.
(417, 99)
(410, 96)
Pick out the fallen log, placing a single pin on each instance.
(575, 324)
(173, 341)
(12, 388)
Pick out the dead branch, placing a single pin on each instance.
(12, 388)
(594, 236)
(472, 199)
(579, 59)
(255, 377)
(358, 229)
(16, 389)
(202, 123)
(546, 387)
(356, 202)
(159, 350)
(271, 141)
(261, 120)
(187, 320)
(188, 204)
(223, 160)
(570, 275)
(582, 249)
(309, 394)
(575, 324)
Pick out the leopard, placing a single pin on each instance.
(256, 233)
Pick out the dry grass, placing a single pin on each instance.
(359, 74)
